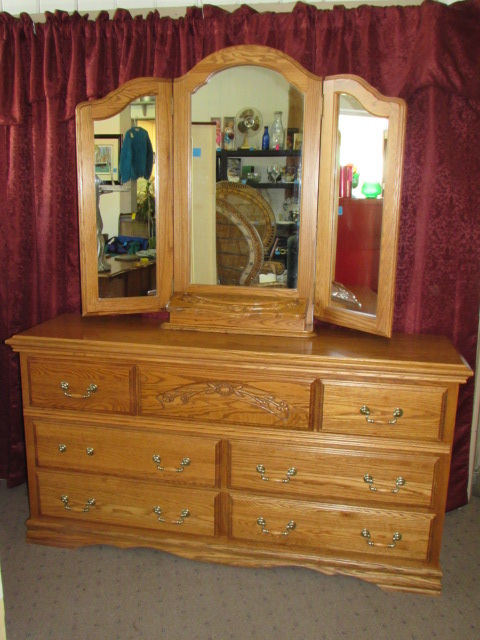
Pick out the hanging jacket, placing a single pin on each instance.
(136, 156)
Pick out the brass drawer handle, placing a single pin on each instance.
(397, 536)
(90, 503)
(184, 463)
(184, 514)
(289, 474)
(92, 388)
(290, 526)
(397, 413)
(89, 450)
(399, 483)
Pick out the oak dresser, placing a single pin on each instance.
(330, 452)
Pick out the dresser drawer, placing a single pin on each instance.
(392, 411)
(81, 386)
(112, 501)
(341, 529)
(186, 460)
(328, 473)
(252, 398)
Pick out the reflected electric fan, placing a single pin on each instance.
(249, 123)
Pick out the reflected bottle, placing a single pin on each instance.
(277, 134)
(265, 139)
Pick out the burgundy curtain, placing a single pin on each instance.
(426, 54)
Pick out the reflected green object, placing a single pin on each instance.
(371, 189)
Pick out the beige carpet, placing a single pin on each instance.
(102, 593)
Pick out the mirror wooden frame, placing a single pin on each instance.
(395, 110)
(241, 309)
(86, 114)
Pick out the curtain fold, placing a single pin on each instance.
(426, 54)
(438, 273)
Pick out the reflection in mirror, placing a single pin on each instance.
(247, 127)
(125, 200)
(360, 183)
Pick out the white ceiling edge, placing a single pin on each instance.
(177, 8)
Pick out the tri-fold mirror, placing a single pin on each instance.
(267, 197)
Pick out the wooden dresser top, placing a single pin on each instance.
(148, 337)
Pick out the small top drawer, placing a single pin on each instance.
(387, 410)
(81, 386)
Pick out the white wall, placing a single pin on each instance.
(173, 8)
(474, 469)
(2, 611)
(221, 96)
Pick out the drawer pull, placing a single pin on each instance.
(399, 483)
(397, 413)
(290, 526)
(290, 472)
(92, 388)
(395, 538)
(184, 514)
(63, 447)
(90, 503)
(184, 463)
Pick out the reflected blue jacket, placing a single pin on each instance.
(136, 156)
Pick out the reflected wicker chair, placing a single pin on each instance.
(254, 208)
(240, 249)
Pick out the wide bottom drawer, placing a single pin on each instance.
(111, 501)
(344, 529)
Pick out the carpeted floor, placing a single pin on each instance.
(102, 593)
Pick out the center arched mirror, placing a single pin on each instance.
(249, 182)
(246, 179)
